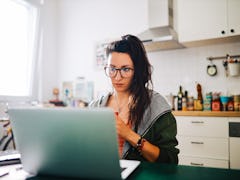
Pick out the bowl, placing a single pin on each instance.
(224, 99)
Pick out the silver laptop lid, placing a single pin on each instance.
(67, 142)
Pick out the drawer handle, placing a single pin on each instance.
(195, 142)
(197, 122)
(197, 164)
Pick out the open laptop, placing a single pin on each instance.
(69, 142)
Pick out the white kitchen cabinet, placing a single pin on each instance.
(203, 162)
(233, 17)
(234, 153)
(213, 148)
(234, 142)
(203, 20)
(203, 141)
(202, 126)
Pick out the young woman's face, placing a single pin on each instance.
(120, 70)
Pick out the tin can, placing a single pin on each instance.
(216, 106)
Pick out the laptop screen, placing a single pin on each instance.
(67, 142)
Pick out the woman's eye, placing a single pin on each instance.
(112, 69)
(125, 69)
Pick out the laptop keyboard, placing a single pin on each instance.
(123, 168)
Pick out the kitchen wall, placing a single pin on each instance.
(48, 68)
(81, 24)
(187, 66)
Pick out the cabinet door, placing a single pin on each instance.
(234, 152)
(233, 17)
(203, 162)
(201, 19)
(216, 148)
(202, 126)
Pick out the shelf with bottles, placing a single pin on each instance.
(212, 101)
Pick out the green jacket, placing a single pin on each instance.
(158, 127)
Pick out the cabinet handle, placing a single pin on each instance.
(197, 164)
(195, 142)
(223, 32)
(197, 122)
(232, 30)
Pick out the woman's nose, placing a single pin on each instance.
(118, 75)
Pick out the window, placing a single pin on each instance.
(18, 21)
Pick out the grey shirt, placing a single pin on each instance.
(157, 108)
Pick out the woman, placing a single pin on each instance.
(145, 125)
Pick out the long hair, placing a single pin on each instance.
(141, 85)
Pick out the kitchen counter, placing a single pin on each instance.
(207, 113)
(149, 171)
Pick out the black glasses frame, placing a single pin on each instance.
(116, 70)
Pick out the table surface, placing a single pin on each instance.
(154, 171)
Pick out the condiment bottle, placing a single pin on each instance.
(230, 104)
(199, 102)
(179, 99)
(216, 104)
(184, 101)
(190, 103)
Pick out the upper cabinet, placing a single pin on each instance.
(233, 17)
(206, 19)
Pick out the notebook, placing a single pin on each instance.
(69, 142)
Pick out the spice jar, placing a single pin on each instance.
(230, 104)
(236, 100)
(190, 103)
(207, 102)
(216, 104)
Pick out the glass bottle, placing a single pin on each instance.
(179, 99)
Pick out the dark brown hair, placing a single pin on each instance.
(141, 85)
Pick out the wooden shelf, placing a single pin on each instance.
(208, 113)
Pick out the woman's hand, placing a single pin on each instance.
(149, 151)
(123, 130)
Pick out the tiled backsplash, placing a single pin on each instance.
(187, 66)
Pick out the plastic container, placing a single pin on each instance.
(224, 100)
(234, 68)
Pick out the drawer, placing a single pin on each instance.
(202, 126)
(234, 152)
(216, 148)
(203, 162)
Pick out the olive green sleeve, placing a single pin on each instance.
(163, 134)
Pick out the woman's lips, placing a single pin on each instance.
(118, 84)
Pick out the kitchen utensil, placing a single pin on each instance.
(234, 68)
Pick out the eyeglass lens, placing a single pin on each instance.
(112, 72)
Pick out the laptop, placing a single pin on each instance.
(69, 142)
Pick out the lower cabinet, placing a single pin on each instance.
(203, 141)
(216, 148)
(235, 153)
(234, 142)
(204, 162)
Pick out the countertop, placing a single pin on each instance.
(207, 113)
(149, 171)
(153, 171)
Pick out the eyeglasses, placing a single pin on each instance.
(125, 72)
